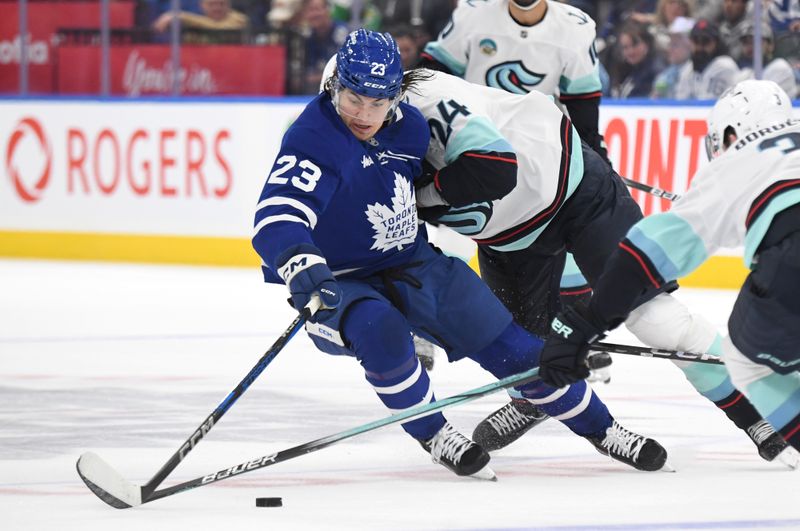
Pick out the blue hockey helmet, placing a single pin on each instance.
(369, 64)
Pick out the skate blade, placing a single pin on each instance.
(668, 467)
(485, 474)
(789, 457)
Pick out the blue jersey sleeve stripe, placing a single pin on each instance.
(274, 219)
(310, 215)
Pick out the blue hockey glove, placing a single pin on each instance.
(306, 273)
(563, 358)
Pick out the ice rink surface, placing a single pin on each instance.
(127, 361)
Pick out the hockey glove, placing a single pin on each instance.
(563, 358)
(306, 273)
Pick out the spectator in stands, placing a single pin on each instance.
(323, 38)
(734, 18)
(407, 43)
(710, 71)
(784, 16)
(708, 9)
(148, 11)
(641, 62)
(217, 15)
(357, 14)
(428, 17)
(666, 13)
(678, 53)
(776, 69)
(284, 13)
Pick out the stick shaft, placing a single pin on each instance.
(658, 192)
(324, 442)
(647, 352)
(149, 488)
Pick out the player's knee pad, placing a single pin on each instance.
(664, 322)
(513, 351)
(378, 334)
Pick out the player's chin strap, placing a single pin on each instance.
(526, 5)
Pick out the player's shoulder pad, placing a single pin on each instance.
(315, 130)
(413, 130)
(574, 26)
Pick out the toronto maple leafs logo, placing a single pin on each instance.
(395, 226)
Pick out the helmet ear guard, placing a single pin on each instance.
(746, 107)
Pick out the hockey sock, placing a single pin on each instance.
(380, 337)
(739, 409)
(576, 406)
(517, 350)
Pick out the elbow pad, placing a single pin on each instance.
(476, 177)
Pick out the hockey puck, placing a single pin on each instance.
(269, 502)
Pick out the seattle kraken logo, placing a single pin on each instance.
(512, 76)
(468, 220)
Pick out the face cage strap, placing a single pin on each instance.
(528, 7)
(337, 88)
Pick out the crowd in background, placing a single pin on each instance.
(647, 48)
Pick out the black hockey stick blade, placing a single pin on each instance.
(648, 352)
(106, 483)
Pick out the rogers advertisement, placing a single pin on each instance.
(44, 19)
(193, 169)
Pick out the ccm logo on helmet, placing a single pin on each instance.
(374, 85)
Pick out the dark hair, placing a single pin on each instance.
(410, 80)
(637, 31)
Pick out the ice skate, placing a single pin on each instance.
(459, 454)
(771, 446)
(426, 352)
(508, 424)
(640, 452)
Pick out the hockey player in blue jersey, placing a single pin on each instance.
(337, 219)
(747, 196)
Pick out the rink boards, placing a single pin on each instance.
(176, 181)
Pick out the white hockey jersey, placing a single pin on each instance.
(464, 116)
(716, 78)
(730, 203)
(485, 45)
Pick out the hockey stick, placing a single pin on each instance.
(647, 352)
(121, 494)
(115, 491)
(658, 192)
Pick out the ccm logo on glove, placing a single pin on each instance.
(298, 263)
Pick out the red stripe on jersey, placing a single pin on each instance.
(562, 189)
(587, 96)
(490, 157)
(754, 208)
(641, 263)
(732, 402)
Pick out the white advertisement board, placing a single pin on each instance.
(137, 168)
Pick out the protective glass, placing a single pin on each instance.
(712, 146)
(363, 108)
